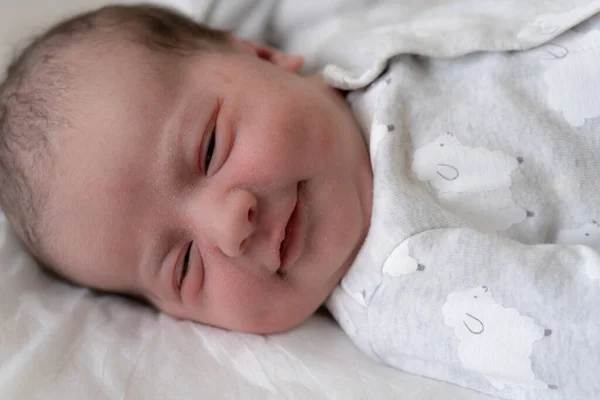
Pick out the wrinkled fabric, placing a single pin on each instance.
(481, 266)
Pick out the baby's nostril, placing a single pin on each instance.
(243, 245)
(251, 214)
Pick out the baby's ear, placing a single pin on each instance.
(288, 62)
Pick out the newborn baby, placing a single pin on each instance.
(144, 154)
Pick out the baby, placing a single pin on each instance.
(145, 154)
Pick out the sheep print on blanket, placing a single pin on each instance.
(481, 267)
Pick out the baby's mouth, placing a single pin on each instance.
(285, 243)
(290, 247)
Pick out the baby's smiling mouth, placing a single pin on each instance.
(291, 246)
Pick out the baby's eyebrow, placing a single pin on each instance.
(159, 255)
(156, 248)
(172, 137)
(151, 263)
(159, 241)
(179, 139)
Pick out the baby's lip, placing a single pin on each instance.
(292, 244)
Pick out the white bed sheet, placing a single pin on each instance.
(62, 342)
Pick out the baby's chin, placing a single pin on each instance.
(271, 324)
(282, 320)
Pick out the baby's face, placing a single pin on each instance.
(225, 189)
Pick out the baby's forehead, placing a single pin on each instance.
(106, 79)
(103, 186)
(97, 58)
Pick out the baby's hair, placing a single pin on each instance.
(38, 82)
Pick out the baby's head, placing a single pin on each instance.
(144, 154)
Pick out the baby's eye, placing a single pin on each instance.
(182, 271)
(210, 150)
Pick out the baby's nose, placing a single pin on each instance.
(237, 222)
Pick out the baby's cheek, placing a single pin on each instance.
(235, 290)
(326, 141)
(242, 303)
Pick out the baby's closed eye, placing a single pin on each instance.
(181, 268)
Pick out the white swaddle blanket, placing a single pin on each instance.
(481, 266)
